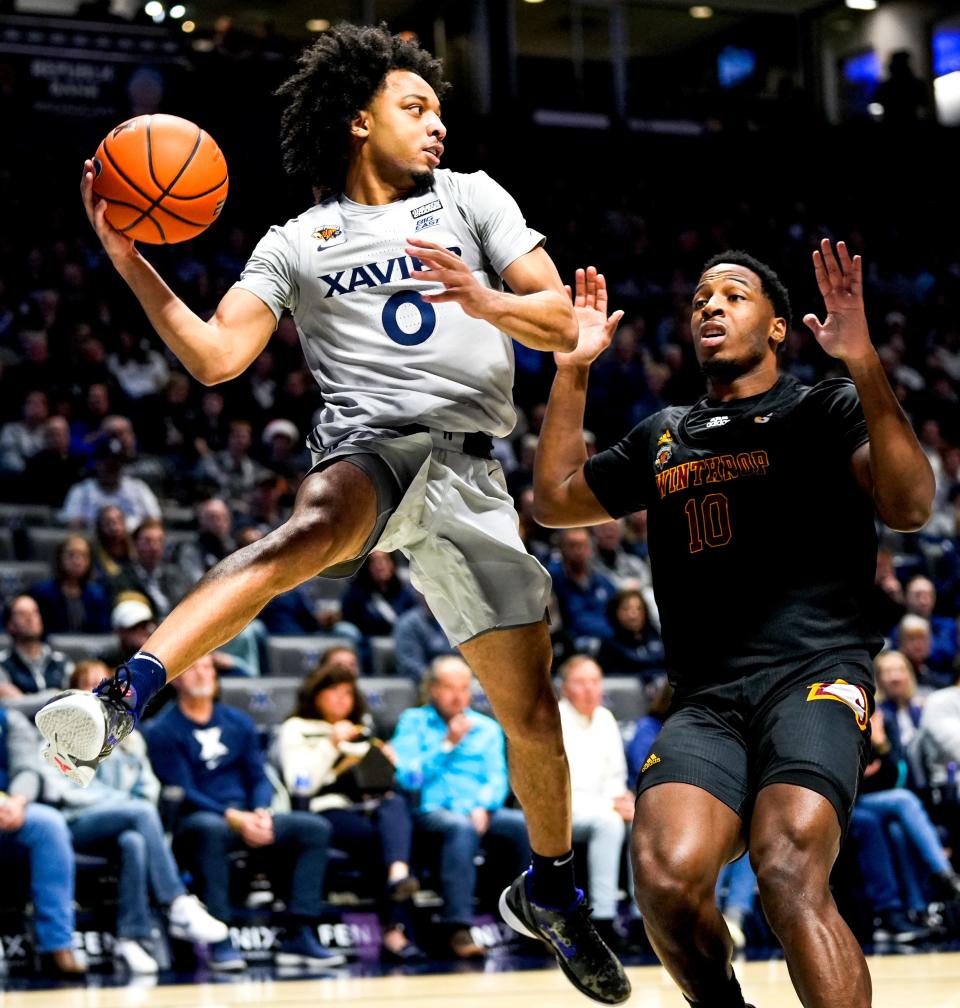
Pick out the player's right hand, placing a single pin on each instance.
(115, 244)
(596, 328)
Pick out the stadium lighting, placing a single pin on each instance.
(533, 1)
(318, 25)
(861, 4)
(177, 11)
(701, 11)
(188, 26)
(153, 9)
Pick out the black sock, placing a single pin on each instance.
(728, 996)
(551, 881)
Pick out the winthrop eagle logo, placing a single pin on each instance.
(327, 233)
(855, 697)
(664, 449)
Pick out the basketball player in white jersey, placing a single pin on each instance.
(394, 281)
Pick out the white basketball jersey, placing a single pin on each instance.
(384, 357)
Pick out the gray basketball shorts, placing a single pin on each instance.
(450, 514)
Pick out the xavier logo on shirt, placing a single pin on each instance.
(211, 748)
(374, 274)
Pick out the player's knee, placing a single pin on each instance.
(297, 550)
(665, 886)
(789, 879)
(536, 723)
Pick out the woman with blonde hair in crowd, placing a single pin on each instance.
(898, 698)
(113, 545)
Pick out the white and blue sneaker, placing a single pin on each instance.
(82, 728)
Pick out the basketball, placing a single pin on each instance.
(164, 178)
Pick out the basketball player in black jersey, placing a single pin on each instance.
(760, 501)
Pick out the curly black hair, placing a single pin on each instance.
(337, 77)
(771, 285)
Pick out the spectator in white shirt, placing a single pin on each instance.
(21, 439)
(602, 803)
(109, 485)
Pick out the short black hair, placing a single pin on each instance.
(771, 285)
(336, 78)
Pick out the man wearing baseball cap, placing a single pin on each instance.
(132, 621)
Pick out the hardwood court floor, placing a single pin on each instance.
(911, 981)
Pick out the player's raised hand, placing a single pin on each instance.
(115, 244)
(447, 268)
(844, 333)
(590, 307)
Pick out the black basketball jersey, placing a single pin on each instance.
(762, 545)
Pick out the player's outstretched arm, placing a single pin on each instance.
(211, 351)
(537, 313)
(892, 467)
(561, 496)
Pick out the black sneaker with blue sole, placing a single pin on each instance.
(570, 935)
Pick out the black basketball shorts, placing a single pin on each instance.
(806, 724)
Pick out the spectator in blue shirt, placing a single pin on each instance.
(454, 760)
(634, 648)
(646, 730)
(920, 598)
(417, 639)
(582, 594)
(377, 596)
(212, 753)
(72, 601)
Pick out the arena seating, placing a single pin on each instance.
(296, 656)
(16, 576)
(388, 697)
(44, 540)
(624, 697)
(383, 656)
(79, 647)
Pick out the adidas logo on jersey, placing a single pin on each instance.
(652, 760)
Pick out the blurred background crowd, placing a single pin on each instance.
(342, 709)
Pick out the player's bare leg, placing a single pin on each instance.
(333, 516)
(682, 838)
(513, 667)
(794, 840)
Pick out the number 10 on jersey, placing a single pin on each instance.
(708, 521)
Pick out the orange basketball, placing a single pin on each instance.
(163, 177)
